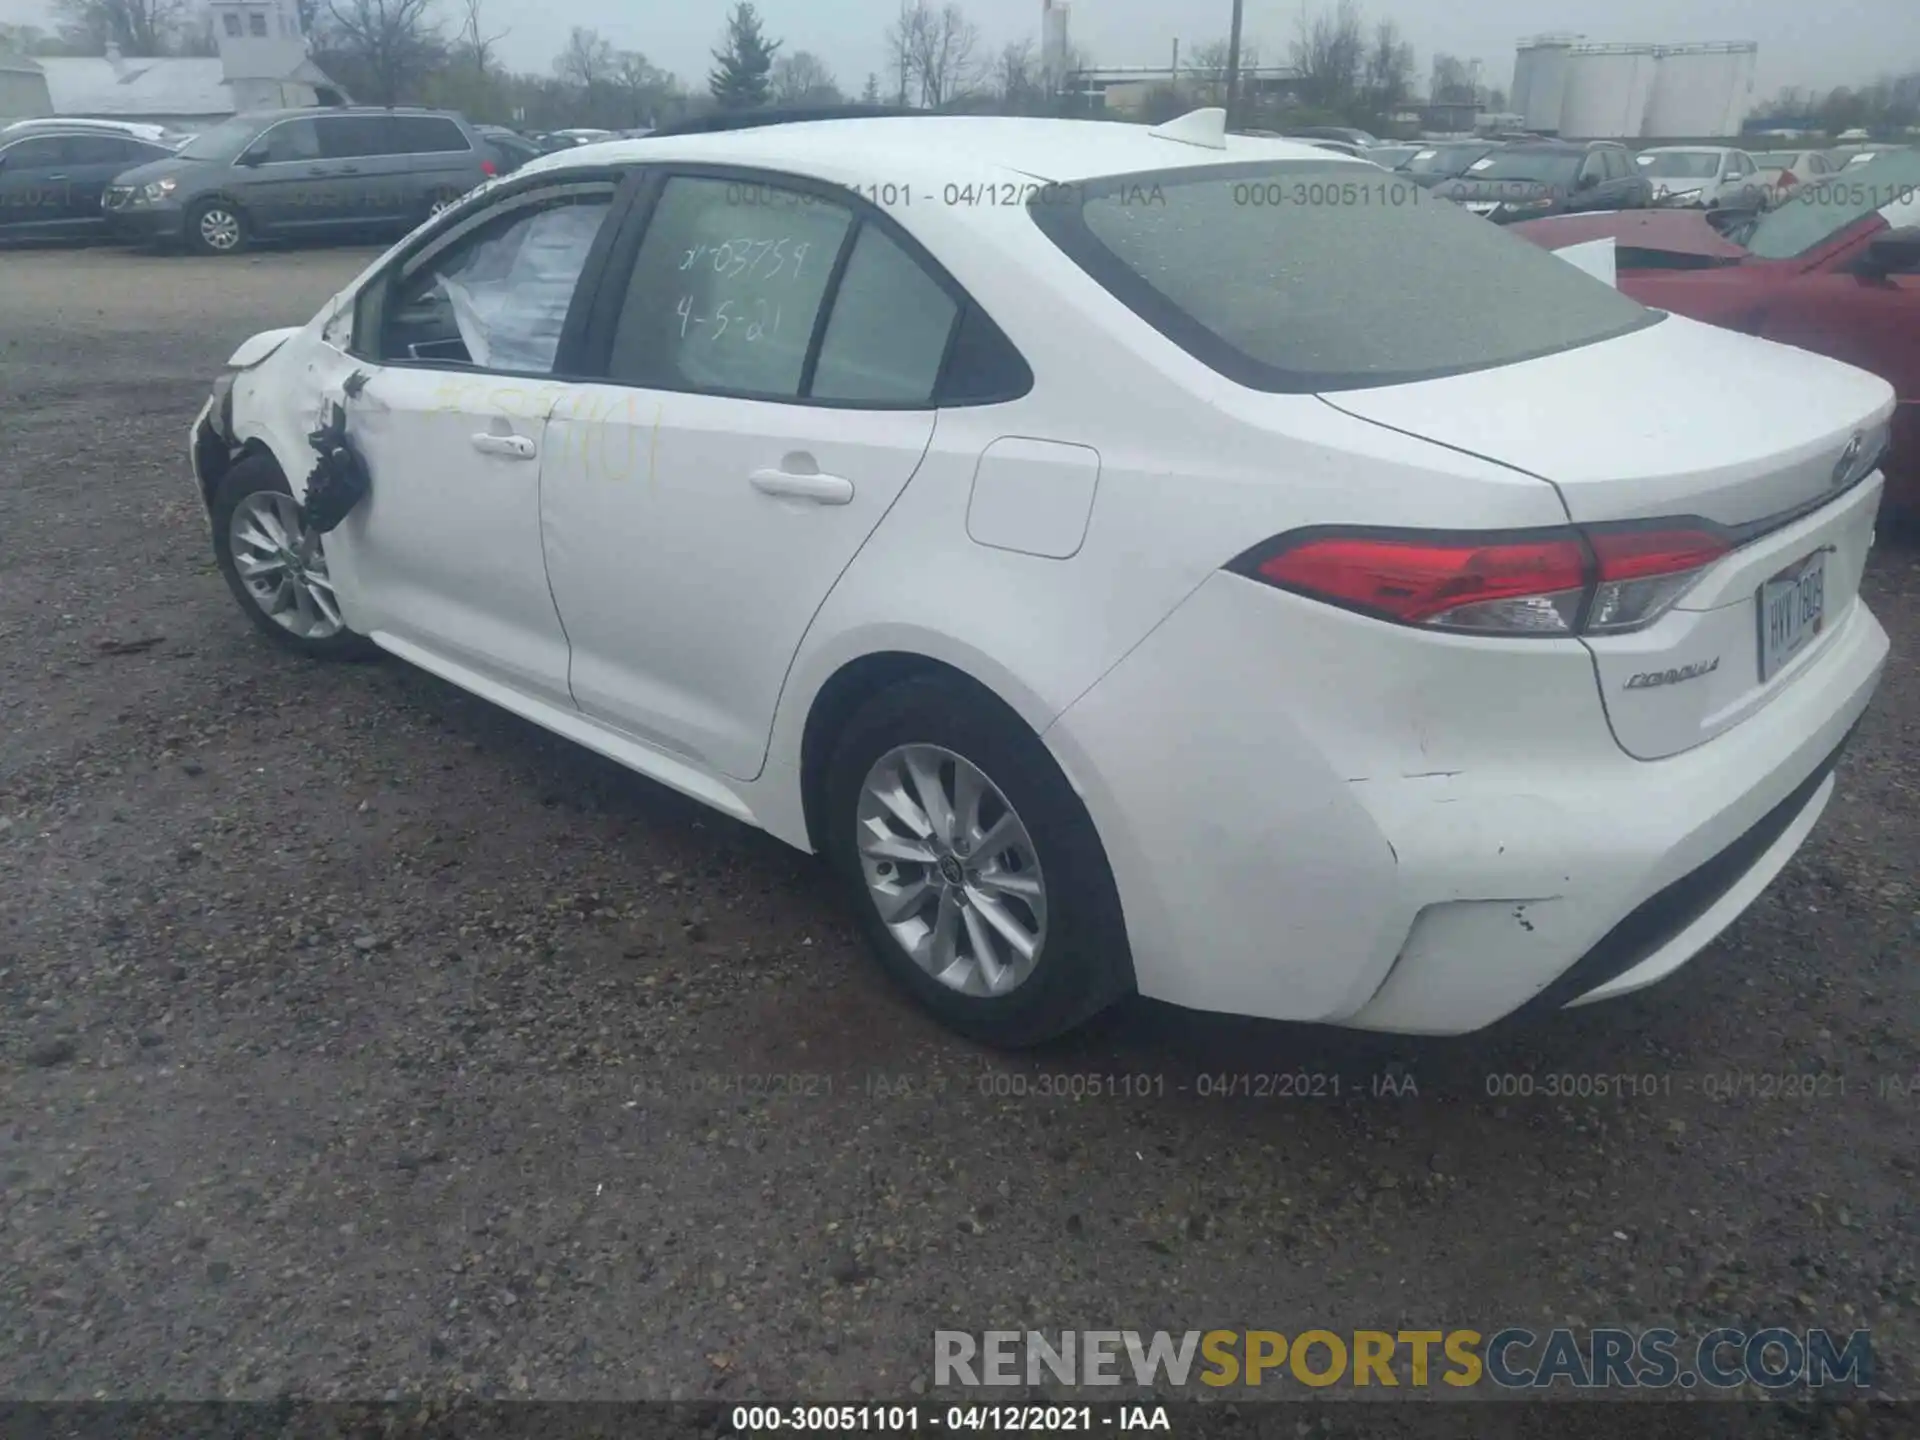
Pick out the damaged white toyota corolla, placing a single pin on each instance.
(1140, 560)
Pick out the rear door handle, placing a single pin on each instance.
(513, 447)
(821, 489)
(57, 177)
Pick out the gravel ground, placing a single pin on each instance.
(358, 1039)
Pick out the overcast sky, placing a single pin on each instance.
(1802, 42)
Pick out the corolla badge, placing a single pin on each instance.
(1648, 679)
(1849, 457)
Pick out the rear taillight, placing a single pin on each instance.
(1788, 179)
(1592, 581)
(489, 169)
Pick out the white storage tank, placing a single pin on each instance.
(1539, 78)
(1701, 91)
(1606, 93)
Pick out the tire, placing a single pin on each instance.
(216, 227)
(255, 485)
(1081, 964)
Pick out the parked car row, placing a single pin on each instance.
(282, 174)
(1837, 272)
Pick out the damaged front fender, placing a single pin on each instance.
(258, 347)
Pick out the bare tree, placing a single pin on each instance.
(803, 79)
(643, 86)
(1387, 72)
(588, 61)
(1452, 82)
(476, 45)
(1017, 79)
(934, 50)
(1328, 49)
(381, 49)
(137, 27)
(1209, 61)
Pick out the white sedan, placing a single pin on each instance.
(1140, 561)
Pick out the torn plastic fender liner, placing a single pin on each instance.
(339, 480)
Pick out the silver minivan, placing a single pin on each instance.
(295, 174)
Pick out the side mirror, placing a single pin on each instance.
(1892, 252)
(1586, 181)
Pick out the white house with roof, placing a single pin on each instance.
(262, 65)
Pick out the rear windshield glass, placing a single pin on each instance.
(1548, 167)
(1681, 164)
(1446, 159)
(1304, 276)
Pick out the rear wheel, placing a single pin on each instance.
(216, 227)
(976, 871)
(275, 568)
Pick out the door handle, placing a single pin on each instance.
(821, 489)
(513, 447)
(349, 169)
(58, 177)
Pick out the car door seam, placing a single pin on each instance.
(786, 677)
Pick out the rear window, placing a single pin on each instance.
(1682, 164)
(425, 135)
(1306, 276)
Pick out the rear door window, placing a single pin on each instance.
(1278, 276)
(726, 288)
(425, 135)
(352, 137)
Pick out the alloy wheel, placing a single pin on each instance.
(220, 229)
(951, 870)
(282, 566)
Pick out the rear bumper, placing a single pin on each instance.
(1311, 816)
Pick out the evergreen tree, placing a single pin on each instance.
(739, 81)
(871, 95)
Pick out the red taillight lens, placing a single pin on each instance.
(1788, 179)
(1513, 584)
(1558, 582)
(489, 169)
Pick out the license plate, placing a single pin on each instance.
(1792, 606)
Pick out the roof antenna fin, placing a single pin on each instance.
(1206, 128)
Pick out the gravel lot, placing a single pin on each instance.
(358, 1039)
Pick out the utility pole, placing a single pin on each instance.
(1233, 64)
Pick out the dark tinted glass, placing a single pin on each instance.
(349, 137)
(1303, 276)
(291, 140)
(43, 152)
(99, 150)
(425, 135)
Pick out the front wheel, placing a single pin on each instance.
(216, 227)
(275, 568)
(975, 869)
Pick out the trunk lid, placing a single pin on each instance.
(1679, 420)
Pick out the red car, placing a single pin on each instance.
(1835, 268)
